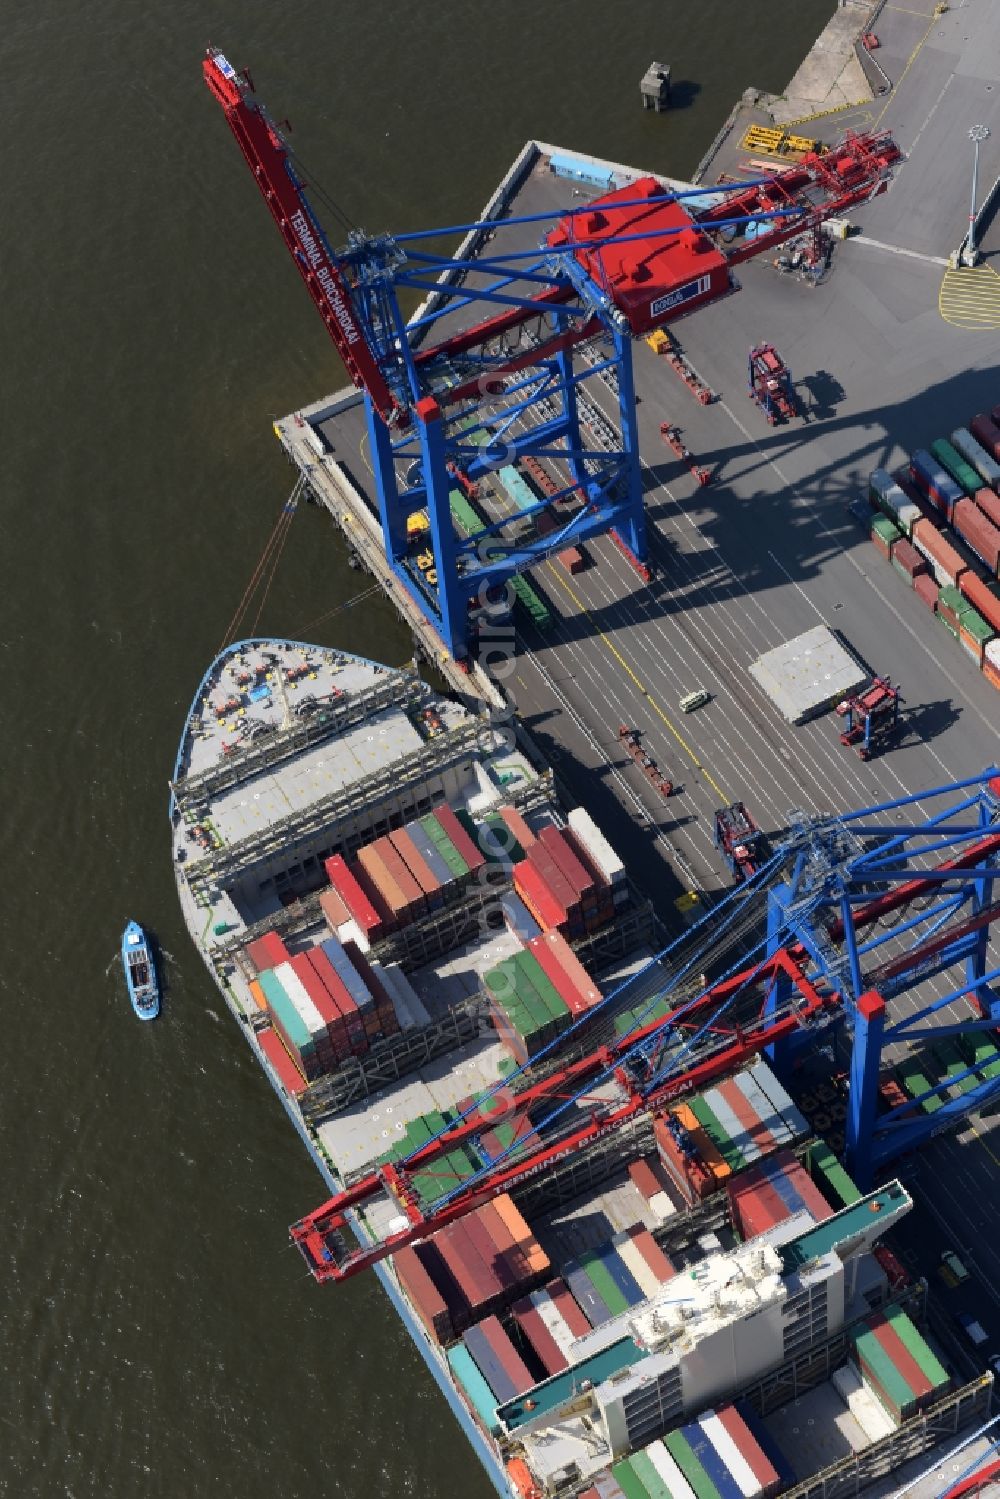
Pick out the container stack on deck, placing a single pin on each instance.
(897, 1365)
(719, 1456)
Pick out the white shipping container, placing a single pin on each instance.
(405, 998)
(663, 1206)
(304, 1007)
(347, 973)
(907, 516)
(663, 1462)
(991, 652)
(880, 482)
(634, 1263)
(772, 1089)
(763, 1108)
(351, 932)
(737, 1132)
(398, 1001)
(555, 1322)
(973, 452)
(597, 846)
(730, 1454)
(869, 1412)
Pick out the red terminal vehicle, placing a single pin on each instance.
(632, 742)
(740, 841)
(770, 384)
(672, 437)
(872, 716)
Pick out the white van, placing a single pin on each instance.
(693, 700)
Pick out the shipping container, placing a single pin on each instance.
(357, 902)
(267, 951)
(628, 1480)
(769, 1085)
(881, 1373)
(257, 994)
(577, 874)
(414, 899)
(908, 561)
(986, 432)
(518, 827)
(668, 1470)
(730, 1454)
(310, 1016)
(430, 853)
(634, 1263)
(651, 1252)
(680, 1450)
(334, 909)
(373, 878)
(585, 1293)
(556, 944)
(497, 1360)
(926, 589)
(975, 454)
(453, 829)
(762, 1138)
(645, 1178)
(283, 1064)
(424, 1296)
(648, 1475)
(479, 1288)
(538, 898)
(418, 867)
(934, 481)
(532, 1324)
(576, 1003)
(764, 1471)
(716, 1469)
(978, 532)
(436, 833)
(901, 1357)
(762, 1106)
(952, 461)
(716, 1132)
(479, 1397)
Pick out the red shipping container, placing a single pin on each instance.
(336, 988)
(746, 1444)
(479, 1232)
(529, 1319)
(651, 1253)
(747, 1115)
(267, 951)
(576, 1003)
(908, 559)
(538, 897)
(518, 827)
(573, 560)
(415, 862)
(289, 1074)
(980, 533)
(502, 1237)
(900, 1357)
(444, 1283)
(545, 523)
(354, 898)
(927, 590)
(989, 504)
(334, 908)
(541, 859)
(424, 1296)
(316, 989)
(575, 970)
(757, 1208)
(644, 1177)
(557, 844)
(986, 432)
(479, 1287)
(568, 1307)
(459, 837)
(809, 1192)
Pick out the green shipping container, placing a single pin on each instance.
(982, 1055)
(534, 974)
(830, 1176)
(715, 1132)
(950, 458)
(680, 1450)
(449, 853)
(872, 1355)
(883, 527)
(915, 1082)
(951, 598)
(976, 626)
(953, 1065)
(602, 1283)
(917, 1347)
(628, 1480)
(648, 1476)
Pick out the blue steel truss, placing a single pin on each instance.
(879, 909)
(484, 397)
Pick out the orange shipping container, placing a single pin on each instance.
(371, 861)
(257, 995)
(938, 548)
(534, 1254)
(334, 909)
(710, 1153)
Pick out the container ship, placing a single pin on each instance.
(423, 945)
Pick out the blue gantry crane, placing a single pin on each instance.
(484, 377)
(832, 940)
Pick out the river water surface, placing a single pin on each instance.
(160, 1337)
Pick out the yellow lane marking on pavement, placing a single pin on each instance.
(685, 746)
(970, 297)
(982, 1140)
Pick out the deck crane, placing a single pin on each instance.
(860, 909)
(483, 376)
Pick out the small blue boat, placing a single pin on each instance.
(140, 972)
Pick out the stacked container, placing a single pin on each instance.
(571, 980)
(652, 1181)
(991, 662)
(497, 1360)
(266, 952)
(934, 481)
(595, 848)
(986, 432)
(283, 1064)
(985, 465)
(830, 1176)
(978, 532)
(716, 1457)
(563, 886)
(885, 494)
(989, 503)
(361, 909)
(772, 1191)
(884, 534)
(897, 1365)
(528, 1010)
(963, 473)
(302, 1023)
(907, 561)
(946, 563)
